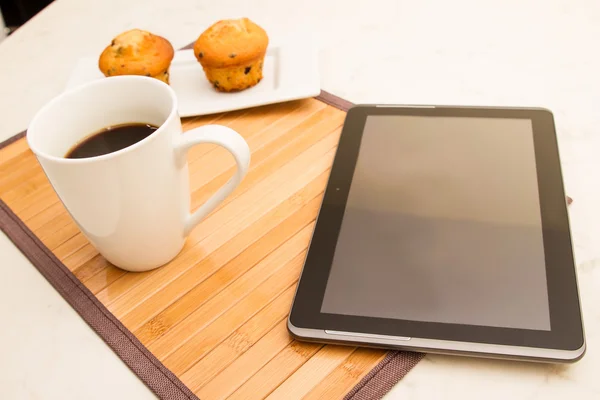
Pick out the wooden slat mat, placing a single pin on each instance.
(215, 317)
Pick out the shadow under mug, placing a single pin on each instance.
(133, 205)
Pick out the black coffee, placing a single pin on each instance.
(111, 139)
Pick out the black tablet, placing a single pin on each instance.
(444, 229)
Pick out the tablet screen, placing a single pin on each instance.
(442, 224)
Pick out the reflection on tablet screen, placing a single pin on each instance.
(443, 224)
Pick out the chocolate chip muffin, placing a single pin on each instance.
(137, 52)
(232, 54)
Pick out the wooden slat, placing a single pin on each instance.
(347, 374)
(313, 371)
(102, 279)
(33, 179)
(216, 315)
(35, 201)
(55, 222)
(24, 165)
(93, 267)
(61, 233)
(242, 368)
(84, 254)
(13, 150)
(70, 246)
(263, 296)
(45, 217)
(276, 371)
(178, 336)
(239, 341)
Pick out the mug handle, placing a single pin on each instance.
(230, 140)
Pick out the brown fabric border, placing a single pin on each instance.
(334, 101)
(12, 139)
(384, 376)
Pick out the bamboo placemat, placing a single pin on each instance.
(215, 317)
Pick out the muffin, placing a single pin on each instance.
(232, 53)
(137, 52)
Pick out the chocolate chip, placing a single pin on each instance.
(216, 84)
(201, 54)
(247, 70)
(148, 74)
(122, 65)
(112, 43)
(232, 55)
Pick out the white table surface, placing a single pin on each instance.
(503, 52)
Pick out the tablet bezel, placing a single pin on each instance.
(565, 314)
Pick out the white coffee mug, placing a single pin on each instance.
(133, 204)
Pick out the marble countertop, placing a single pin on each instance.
(510, 52)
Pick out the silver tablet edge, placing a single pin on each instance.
(438, 346)
(525, 108)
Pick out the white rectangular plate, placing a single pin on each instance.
(290, 72)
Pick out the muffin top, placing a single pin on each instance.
(231, 42)
(136, 52)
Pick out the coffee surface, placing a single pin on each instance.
(111, 139)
